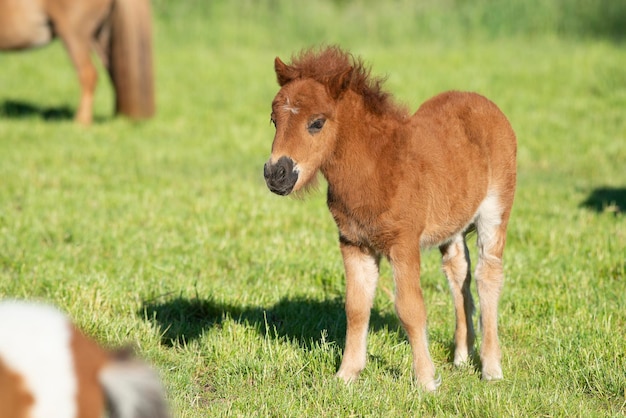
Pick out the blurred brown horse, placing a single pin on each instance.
(118, 30)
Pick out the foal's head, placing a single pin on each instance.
(304, 113)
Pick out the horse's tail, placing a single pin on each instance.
(132, 389)
(130, 58)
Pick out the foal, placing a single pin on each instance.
(397, 183)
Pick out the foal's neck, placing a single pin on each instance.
(366, 146)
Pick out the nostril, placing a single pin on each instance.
(266, 171)
(280, 172)
(280, 176)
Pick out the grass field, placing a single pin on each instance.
(163, 234)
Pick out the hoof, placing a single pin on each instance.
(492, 374)
(346, 377)
(432, 385)
(461, 358)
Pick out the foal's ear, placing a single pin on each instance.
(284, 73)
(339, 83)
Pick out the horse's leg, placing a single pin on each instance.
(78, 48)
(361, 266)
(456, 266)
(491, 229)
(102, 44)
(410, 307)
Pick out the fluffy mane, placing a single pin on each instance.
(328, 63)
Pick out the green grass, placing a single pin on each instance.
(164, 235)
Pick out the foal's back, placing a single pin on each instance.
(461, 148)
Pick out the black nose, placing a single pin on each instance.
(280, 177)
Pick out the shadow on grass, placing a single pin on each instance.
(302, 320)
(606, 199)
(17, 110)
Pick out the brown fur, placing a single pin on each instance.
(15, 399)
(397, 183)
(89, 359)
(133, 78)
(122, 38)
(340, 70)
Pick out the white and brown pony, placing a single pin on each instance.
(49, 369)
(120, 31)
(397, 183)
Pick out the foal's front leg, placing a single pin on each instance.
(361, 266)
(412, 312)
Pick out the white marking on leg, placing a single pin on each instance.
(488, 218)
(361, 279)
(35, 342)
(489, 282)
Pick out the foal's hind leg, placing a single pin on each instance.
(456, 266)
(491, 228)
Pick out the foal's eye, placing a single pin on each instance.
(273, 121)
(316, 126)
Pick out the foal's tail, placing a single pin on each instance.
(132, 390)
(130, 58)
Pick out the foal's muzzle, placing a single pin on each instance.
(280, 176)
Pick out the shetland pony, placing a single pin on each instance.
(397, 183)
(49, 369)
(119, 30)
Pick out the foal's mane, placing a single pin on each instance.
(325, 64)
